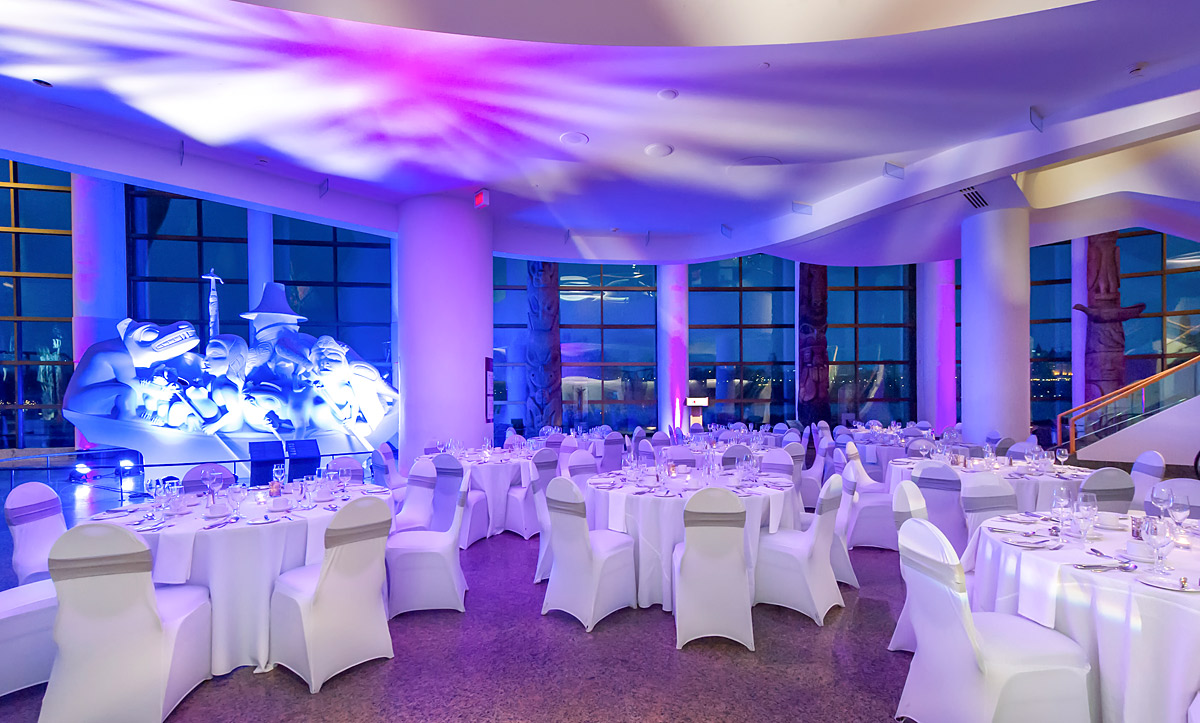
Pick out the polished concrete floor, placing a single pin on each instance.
(503, 661)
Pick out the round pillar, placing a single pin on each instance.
(672, 345)
(443, 296)
(260, 255)
(995, 324)
(936, 402)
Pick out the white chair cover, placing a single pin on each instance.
(645, 452)
(681, 455)
(924, 426)
(794, 569)
(993, 438)
(513, 440)
(520, 513)
(35, 521)
(987, 495)
(941, 487)
(593, 573)
(778, 461)
(423, 567)
(711, 578)
(330, 616)
(418, 500)
(191, 481)
(738, 426)
(546, 463)
(554, 441)
(1148, 470)
(780, 428)
(475, 521)
(865, 515)
(734, 454)
(839, 432)
(982, 667)
(385, 472)
(728, 436)
(337, 464)
(697, 428)
(1113, 489)
(635, 442)
(913, 432)
(660, 440)
(431, 447)
(792, 437)
(907, 503)
(1182, 488)
(27, 635)
(126, 651)
(863, 481)
(915, 446)
(614, 446)
(581, 467)
(812, 478)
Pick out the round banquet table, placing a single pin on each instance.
(502, 470)
(1034, 490)
(238, 564)
(656, 522)
(876, 457)
(1141, 640)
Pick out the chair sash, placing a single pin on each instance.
(575, 469)
(989, 504)
(338, 536)
(1116, 494)
(931, 482)
(450, 472)
(118, 564)
(1149, 468)
(777, 468)
(33, 511)
(420, 480)
(714, 519)
(903, 516)
(828, 504)
(575, 509)
(944, 572)
(546, 464)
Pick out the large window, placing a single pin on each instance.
(1163, 272)
(510, 315)
(608, 315)
(1049, 332)
(173, 240)
(741, 345)
(340, 280)
(871, 341)
(35, 305)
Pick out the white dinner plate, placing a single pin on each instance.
(262, 521)
(1033, 543)
(111, 514)
(1168, 583)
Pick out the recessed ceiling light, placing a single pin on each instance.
(659, 150)
(668, 94)
(43, 83)
(1136, 70)
(263, 161)
(574, 138)
(764, 66)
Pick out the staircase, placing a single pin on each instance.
(1160, 412)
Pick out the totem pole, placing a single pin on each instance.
(812, 299)
(543, 357)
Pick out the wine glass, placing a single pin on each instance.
(153, 488)
(1062, 453)
(237, 494)
(345, 477)
(1180, 509)
(1162, 497)
(1060, 504)
(278, 473)
(1086, 509)
(1156, 531)
(214, 483)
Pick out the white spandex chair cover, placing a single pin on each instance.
(635, 441)
(941, 487)
(865, 515)
(35, 521)
(423, 568)
(981, 667)
(445, 499)
(1148, 470)
(793, 568)
(993, 437)
(738, 426)
(681, 455)
(907, 503)
(513, 440)
(418, 499)
(1182, 488)
(924, 425)
(913, 432)
(431, 447)
(337, 464)
(915, 446)
(191, 481)
(987, 495)
(546, 462)
(126, 650)
(1004, 445)
(864, 481)
(711, 578)
(614, 446)
(660, 440)
(329, 617)
(521, 514)
(554, 441)
(646, 452)
(778, 461)
(385, 472)
(593, 572)
(581, 467)
(1113, 489)
(27, 635)
(734, 454)
(780, 428)
(728, 436)
(812, 478)
(793, 437)
(839, 432)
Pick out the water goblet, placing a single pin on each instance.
(1179, 510)
(1162, 497)
(1086, 509)
(1062, 453)
(237, 494)
(214, 483)
(1157, 532)
(1060, 504)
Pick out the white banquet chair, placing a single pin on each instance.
(793, 437)
(793, 568)
(734, 454)
(35, 521)
(696, 428)
(1113, 488)
(778, 461)
(520, 512)
(450, 475)
(417, 509)
(660, 439)
(593, 573)
(1148, 470)
(423, 567)
(193, 482)
(614, 446)
(127, 650)
(865, 514)
(914, 447)
(330, 616)
(646, 453)
(907, 503)
(863, 480)
(27, 635)
(682, 455)
(385, 472)
(980, 667)
(513, 440)
(728, 436)
(812, 478)
(545, 472)
(581, 467)
(566, 449)
(738, 426)
(554, 441)
(986, 495)
(711, 579)
(941, 487)
(346, 462)
(1004, 445)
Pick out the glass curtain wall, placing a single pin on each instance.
(608, 317)
(510, 318)
(1162, 271)
(872, 342)
(35, 305)
(1049, 332)
(741, 338)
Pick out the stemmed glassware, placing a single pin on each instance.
(1162, 497)
(1060, 505)
(279, 473)
(1157, 532)
(1062, 453)
(1180, 509)
(154, 490)
(213, 483)
(1086, 509)
(237, 494)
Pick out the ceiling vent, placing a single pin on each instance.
(975, 198)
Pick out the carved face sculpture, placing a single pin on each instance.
(149, 343)
(329, 356)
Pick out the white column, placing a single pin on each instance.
(99, 275)
(672, 345)
(936, 401)
(260, 254)
(995, 324)
(443, 293)
(1079, 286)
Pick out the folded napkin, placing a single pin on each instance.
(616, 511)
(172, 550)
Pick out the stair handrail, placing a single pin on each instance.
(1128, 390)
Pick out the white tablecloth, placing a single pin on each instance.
(656, 524)
(238, 564)
(1142, 641)
(1034, 491)
(494, 478)
(877, 456)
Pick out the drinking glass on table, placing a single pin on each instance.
(153, 490)
(279, 472)
(1060, 505)
(214, 484)
(237, 494)
(1162, 497)
(345, 477)
(1180, 509)
(1086, 509)
(1157, 532)
(1062, 454)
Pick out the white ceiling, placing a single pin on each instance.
(391, 112)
